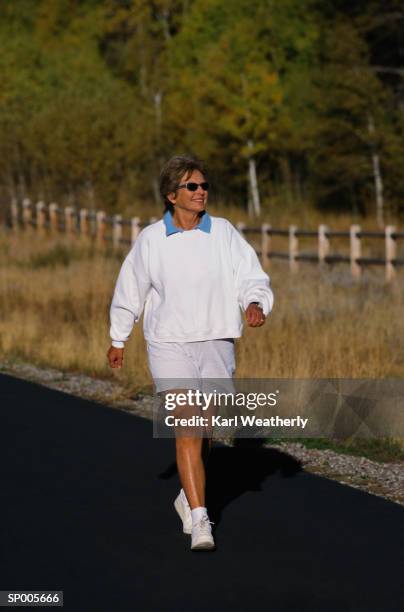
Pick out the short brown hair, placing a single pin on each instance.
(172, 173)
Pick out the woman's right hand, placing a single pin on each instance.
(115, 357)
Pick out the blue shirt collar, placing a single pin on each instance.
(204, 224)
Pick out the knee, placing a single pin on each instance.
(189, 446)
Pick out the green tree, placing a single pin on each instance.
(237, 77)
(351, 119)
(134, 44)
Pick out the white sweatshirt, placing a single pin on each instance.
(191, 284)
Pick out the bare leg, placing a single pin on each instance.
(192, 455)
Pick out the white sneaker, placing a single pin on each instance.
(202, 538)
(184, 510)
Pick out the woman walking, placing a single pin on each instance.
(192, 274)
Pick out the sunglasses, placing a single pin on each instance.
(194, 186)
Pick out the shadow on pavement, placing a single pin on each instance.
(232, 471)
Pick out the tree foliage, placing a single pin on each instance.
(95, 95)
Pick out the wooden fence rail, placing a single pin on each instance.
(93, 224)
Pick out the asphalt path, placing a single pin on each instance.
(87, 507)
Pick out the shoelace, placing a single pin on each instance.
(204, 525)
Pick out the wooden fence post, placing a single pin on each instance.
(265, 244)
(241, 227)
(355, 250)
(293, 248)
(84, 222)
(135, 229)
(69, 222)
(53, 216)
(117, 230)
(323, 243)
(40, 216)
(101, 227)
(26, 213)
(14, 214)
(391, 252)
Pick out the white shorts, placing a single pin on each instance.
(191, 365)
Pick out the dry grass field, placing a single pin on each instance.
(55, 295)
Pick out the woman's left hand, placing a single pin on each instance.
(254, 315)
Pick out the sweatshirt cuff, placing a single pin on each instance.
(118, 344)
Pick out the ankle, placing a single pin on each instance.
(198, 513)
